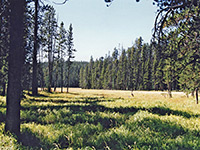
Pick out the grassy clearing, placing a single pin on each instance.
(100, 119)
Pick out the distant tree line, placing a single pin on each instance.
(132, 69)
(145, 67)
(57, 81)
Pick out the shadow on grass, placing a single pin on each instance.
(154, 133)
(167, 111)
(28, 139)
(89, 100)
(94, 107)
(147, 131)
(75, 114)
(89, 111)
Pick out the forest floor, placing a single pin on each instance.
(105, 119)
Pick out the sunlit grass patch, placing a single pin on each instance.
(105, 119)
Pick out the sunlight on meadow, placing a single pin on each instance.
(105, 119)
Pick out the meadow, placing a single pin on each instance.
(105, 120)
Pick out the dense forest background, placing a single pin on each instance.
(74, 75)
(142, 67)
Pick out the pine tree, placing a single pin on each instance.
(15, 63)
(146, 67)
(90, 70)
(70, 53)
(35, 51)
(137, 69)
(114, 71)
(148, 75)
(103, 72)
(143, 66)
(95, 75)
(123, 70)
(60, 48)
(98, 72)
(49, 33)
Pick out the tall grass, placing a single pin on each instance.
(100, 119)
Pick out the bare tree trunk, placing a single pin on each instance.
(61, 77)
(192, 94)
(197, 99)
(15, 62)
(50, 77)
(50, 59)
(68, 77)
(4, 89)
(34, 80)
(55, 81)
(170, 89)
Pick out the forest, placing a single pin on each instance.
(144, 67)
(134, 98)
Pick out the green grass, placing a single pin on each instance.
(95, 120)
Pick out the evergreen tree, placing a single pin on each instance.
(137, 71)
(122, 71)
(103, 71)
(148, 75)
(35, 51)
(49, 33)
(143, 66)
(114, 71)
(60, 48)
(146, 67)
(70, 53)
(95, 75)
(15, 63)
(90, 69)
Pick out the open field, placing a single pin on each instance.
(105, 119)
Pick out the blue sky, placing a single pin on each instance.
(98, 29)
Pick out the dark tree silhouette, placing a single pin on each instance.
(34, 80)
(15, 62)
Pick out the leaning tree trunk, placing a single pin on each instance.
(197, 99)
(15, 62)
(34, 80)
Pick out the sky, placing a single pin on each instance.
(98, 29)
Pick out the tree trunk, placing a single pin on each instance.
(197, 99)
(68, 77)
(34, 80)
(4, 89)
(55, 82)
(15, 62)
(192, 94)
(170, 89)
(61, 84)
(50, 59)
(50, 77)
